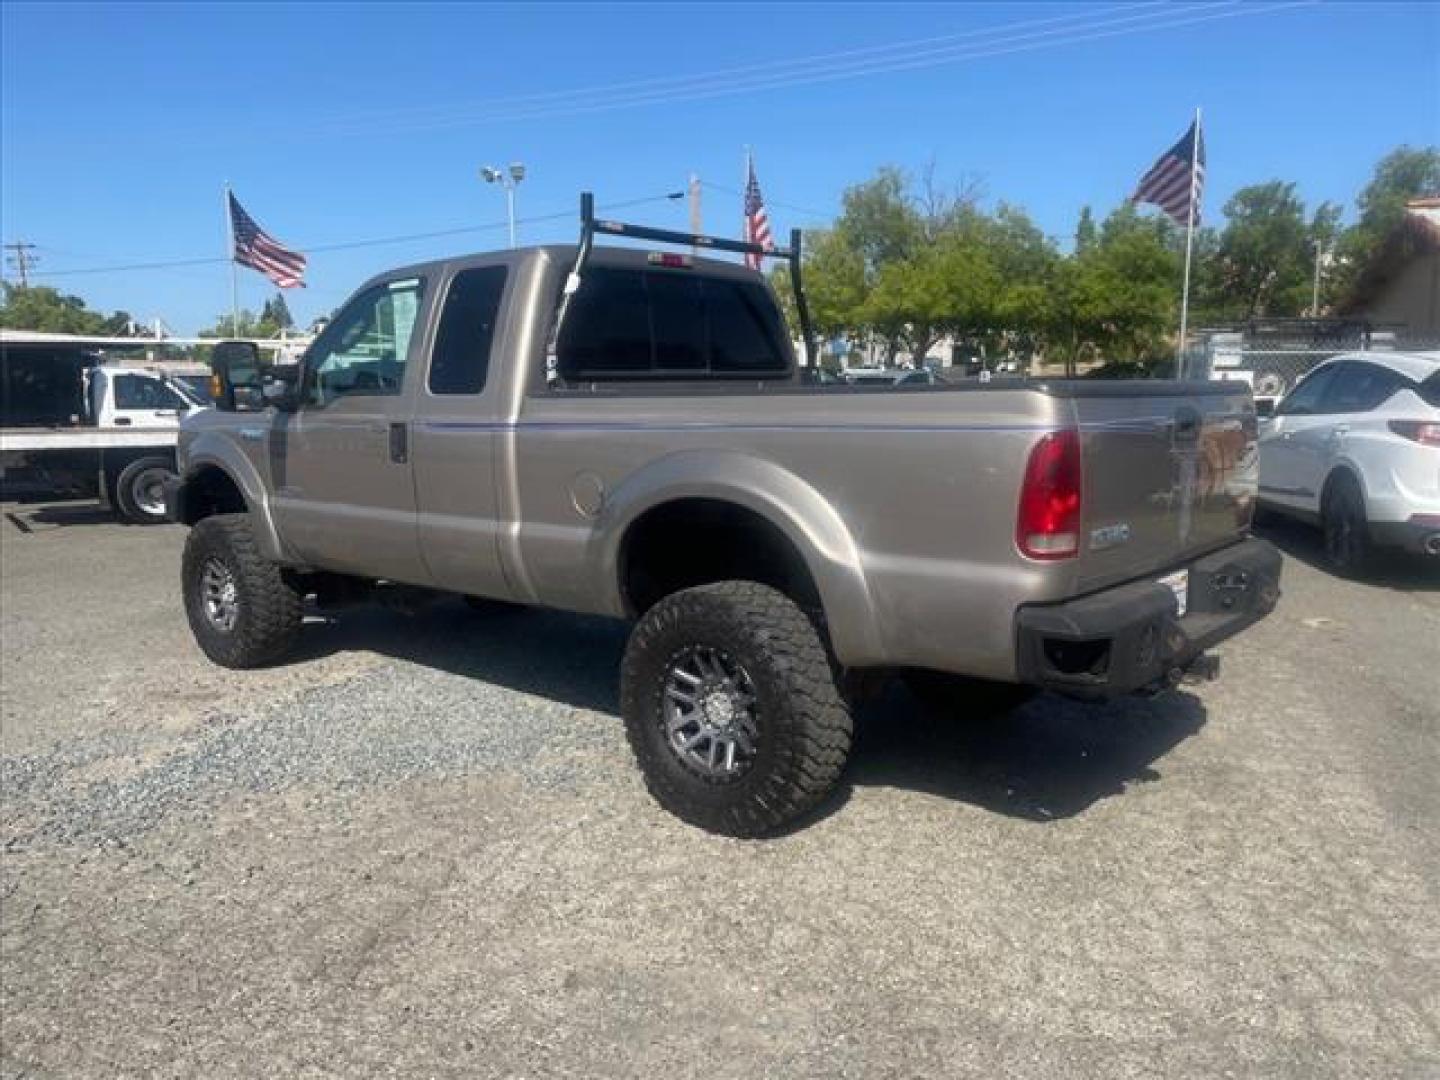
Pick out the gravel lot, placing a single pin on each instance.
(422, 850)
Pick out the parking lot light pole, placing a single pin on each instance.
(509, 179)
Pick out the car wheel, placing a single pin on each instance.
(242, 609)
(732, 710)
(139, 492)
(1347, 533)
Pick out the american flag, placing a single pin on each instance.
(1169, 184)
(757, 221)
(257, 249)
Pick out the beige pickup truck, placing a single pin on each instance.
(622, 431)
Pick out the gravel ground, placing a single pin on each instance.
(421, 850)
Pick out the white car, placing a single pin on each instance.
(1355, 447)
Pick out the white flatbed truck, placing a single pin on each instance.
(82, 425)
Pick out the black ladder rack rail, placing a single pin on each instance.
(589, 226)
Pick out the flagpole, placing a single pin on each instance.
(234, 267)
(1189, 246)
(748, 166)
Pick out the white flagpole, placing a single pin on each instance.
(234, 266)
(1189, 245)
(744, 189)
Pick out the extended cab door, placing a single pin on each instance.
(344, 495)
(456, 432)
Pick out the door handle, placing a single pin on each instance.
(399, 443)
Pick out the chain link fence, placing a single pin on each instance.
(1272, 356)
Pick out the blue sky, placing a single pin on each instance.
(344, 122)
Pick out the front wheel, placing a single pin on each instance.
(140, 490)
(242, 609)
(732, 710)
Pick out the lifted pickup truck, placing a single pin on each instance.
(623, 432)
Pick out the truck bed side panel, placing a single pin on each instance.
(925, 483)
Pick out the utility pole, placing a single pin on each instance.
(697, 224)
(1315, 291)
(22, 260)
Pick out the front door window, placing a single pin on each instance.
(364, 351)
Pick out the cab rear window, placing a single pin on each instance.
(649, 324)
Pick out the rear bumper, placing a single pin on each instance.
(1130, 638)
(1419, 536)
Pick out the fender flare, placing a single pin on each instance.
(209, 450)
(774, 493)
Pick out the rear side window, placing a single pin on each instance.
(461, 360)
(1359, 387)
(662, 324)
(1305, 398)
(1430, 390)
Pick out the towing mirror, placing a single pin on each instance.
(279, 387)
(235, 379)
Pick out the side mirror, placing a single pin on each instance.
(235, 366)
(279, 388)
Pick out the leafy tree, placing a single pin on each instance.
(1263, 252)
(1086, 233)
(277, 312)
(247, 326)
(1401, 175)
(39, 307)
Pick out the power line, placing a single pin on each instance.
(351, 244)
(703, 86)
(678, 82)
(806, 210)
(22, 260)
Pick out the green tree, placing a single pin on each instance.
(247, 326)
(1264, 254)
(1086, 234)
(39, 307)
(1403, 174)
(277, 312)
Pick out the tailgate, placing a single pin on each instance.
(1169, 471)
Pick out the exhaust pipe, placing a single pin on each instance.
(1432, 544)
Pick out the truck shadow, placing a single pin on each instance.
(1049, 759)
(1388, 569)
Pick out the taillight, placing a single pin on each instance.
(1425, 432)
(1048, 525)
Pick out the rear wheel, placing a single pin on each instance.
(139, 490)
(732, 709)
(1347, 533)
(242, 609)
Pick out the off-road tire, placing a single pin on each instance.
(269, 608)
(1344, 528)
(943, 694)
(804, 728)
(127, 496)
